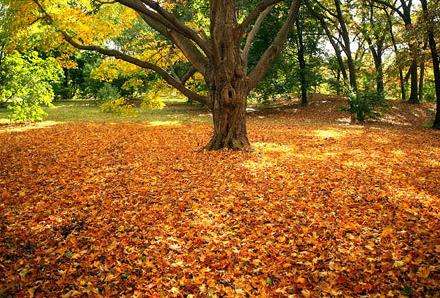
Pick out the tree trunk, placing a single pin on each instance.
(413, 96)
(402, 84)
(227, 82)
(302, 62)
(347, 46)
(338, 79)
(396, 51)
(378, 65)
(421, 79)
(435, 60)
(229, 116)
(379, 80)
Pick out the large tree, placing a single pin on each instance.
(430, 23)
(219, 52)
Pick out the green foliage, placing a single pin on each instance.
(78, 81)
(108, 92)
(118, 106)
(27, 85)
(284, 76)
(365, 105)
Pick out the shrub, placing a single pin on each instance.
(27, 85)
(365, 105)
(108, 92)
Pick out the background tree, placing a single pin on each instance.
(373, 27)
(286, 75)
(27, 85)
(431, 20)
(403, 8)
(302, 60)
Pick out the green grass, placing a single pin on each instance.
(176, 110)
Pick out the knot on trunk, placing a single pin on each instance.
(229, 95)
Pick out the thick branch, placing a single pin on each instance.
(253, 16)
(189, 50)
(164, 27)
(251, 36)
(143, 64)
(174, 82)
(192, 71)
(275, 48)
(392, 7)
(179, 26)
(155, 12)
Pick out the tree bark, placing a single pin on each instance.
(413, 96)
(227, 77)
(378, 65)
(435, 60)
(404, 11)
(229, 117)
(347, 46)
(396, 50)
(302, 62)
(227, 82)
(421, 79)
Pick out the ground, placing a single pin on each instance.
(318, 208)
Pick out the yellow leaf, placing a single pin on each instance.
(423, 272)
(388, 231)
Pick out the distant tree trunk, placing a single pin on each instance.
(379, 74)
(396, 50)
(403, 9)
(435, 59)
(413, 96)
(421, 80)
(347, 49)
(302, 62)
(337, 48)
(338, 78)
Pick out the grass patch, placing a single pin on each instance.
(176, 110)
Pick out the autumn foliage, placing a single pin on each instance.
(100, 209)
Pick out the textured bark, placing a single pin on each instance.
(227, 81)
(403, 9)
(421, 80)
(435, 60)
(406, 16)
(347, 46)
(227, 76)
(302, 62)
(413, 96)
(229, 116)
(378, 65)
(396, 50)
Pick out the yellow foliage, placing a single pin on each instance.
(111, 68)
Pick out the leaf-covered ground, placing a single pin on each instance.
(315, 210)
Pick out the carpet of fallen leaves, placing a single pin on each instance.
(131, 209)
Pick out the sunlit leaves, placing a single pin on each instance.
(135, 209)
(27, 85)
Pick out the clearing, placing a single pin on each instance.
(319, 208)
